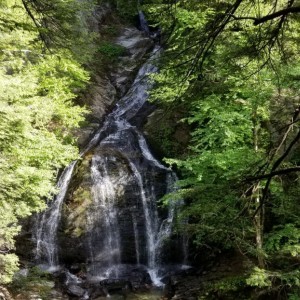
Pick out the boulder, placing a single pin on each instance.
(75, 290)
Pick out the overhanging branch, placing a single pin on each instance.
(283, 12)
(280, 13)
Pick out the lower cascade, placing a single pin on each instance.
(124, 230)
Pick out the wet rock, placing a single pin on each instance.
(167, 136)
(99, 16)
(140, 278)
(115, 284)
(99, 98)
(4, 294)
(75, 290)
(135, 41)
(96, 292)
(137, 44)
(57, 295)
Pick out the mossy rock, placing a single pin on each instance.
(168, 136)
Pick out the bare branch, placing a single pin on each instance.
(275, 166)
(272, 174)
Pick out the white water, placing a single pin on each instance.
(46, 228)
(151, 229)
(143, 22)
(104, 208)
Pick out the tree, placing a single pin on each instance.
(233, 66)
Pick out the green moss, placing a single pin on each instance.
(111, 30)
(76, 212)
(82, 195)
(228, 288)
(78, 231)
(37, 281)
(110, 51)
(78, 200)
(166, 134)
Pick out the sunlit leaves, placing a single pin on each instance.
(260, 278)
(37, 109)
(8, 266)
(284, 240)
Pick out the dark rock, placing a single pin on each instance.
(75, 290)
(140, 278)
(97, 291)
(115, 284)
(75, 268)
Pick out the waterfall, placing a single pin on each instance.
(143, 23)
(150, 218)
(123, 223)
(46, 244)
(104, 195)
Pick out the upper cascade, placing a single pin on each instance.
(143, 23)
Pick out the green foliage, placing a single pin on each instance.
(8, 266)
(37, 102)
(126, 8)
(110, 51)
(284, 240)
(260, 278)
(237, 83)
(228, 288)
(36, 280)
(264, 279)
(294, 296)
(48, 24)
(230, 284)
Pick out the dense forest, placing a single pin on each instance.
(41, 74)
(228, 124)
(231, 71)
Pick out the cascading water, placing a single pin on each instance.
(47, 223)
(104, 194)
(143, 22)
(123, 139)
(123, 224)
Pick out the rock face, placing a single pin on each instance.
(169, 137)
(4, 294)
(137, 44)
(106, 217)
(90, 201)
(79, 209)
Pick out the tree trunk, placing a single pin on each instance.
(259, 227)
(258, 220)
